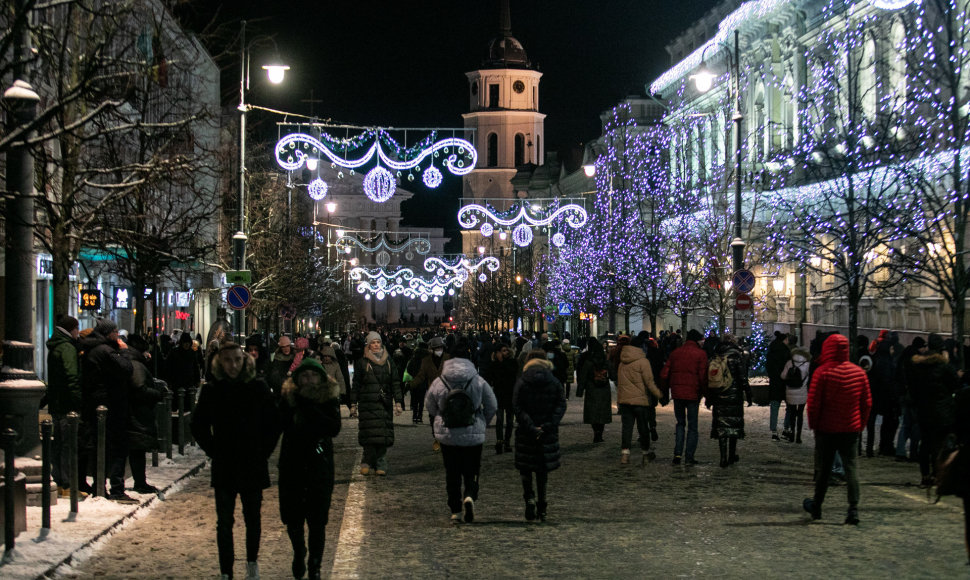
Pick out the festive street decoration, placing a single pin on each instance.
(574, 215)
(382, 242)
(558, 239)
(432, 177)
(317, 189)
(463, 265)
(379, 184)
(522, 235)
(444, 280)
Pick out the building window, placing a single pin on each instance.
(897, 66)
(493, 96)
(867, 79)
(538, 148)
(492, 155)
(519, 149)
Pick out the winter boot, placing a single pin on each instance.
(499, 447)
(852, 516)
(314, 568)
(299, 550)
(723, 447)
(541, 508)
(625, 457)
(733, 456)
(530, 509)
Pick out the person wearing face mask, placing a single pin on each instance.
(374, 395)
(279, 367)
(237, 424)
(430, 370)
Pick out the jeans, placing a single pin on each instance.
(794, 418)
(908, 429)
(631, 414)
(462, 464)
(504, 422)
(773, 416)
(846, 445)
(686, 411)
(252, 503)
(375, 456)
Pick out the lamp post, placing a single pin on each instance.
(239, 239)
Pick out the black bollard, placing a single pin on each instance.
(181, 433)
(9, 474)
(102, 412)
(167, 424)
(193, 393)
(161, 414)
(72, 448)
(46, 430)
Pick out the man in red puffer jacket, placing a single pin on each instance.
(686, 374)
(839, 402)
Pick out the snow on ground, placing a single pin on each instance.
(72, 539)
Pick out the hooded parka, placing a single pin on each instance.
(838, 399)
(459, 373)
(539, 403)
(376, 387)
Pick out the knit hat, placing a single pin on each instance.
(436, 342)
(185, 338)
(695, 335)
(918, 342)
(935, 342)
(371, 337)
(68, 323)
(310, 364)
(104, 327)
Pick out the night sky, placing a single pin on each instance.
(402, 63)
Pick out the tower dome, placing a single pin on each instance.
(505, 51)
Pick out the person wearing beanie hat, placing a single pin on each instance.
(105, 374)
(280, 364)
(310, 414)
(142, 430)
(686, 374)
(63, 394)
(237, 423)
(376, 397)
(183, 372)
(932, 383)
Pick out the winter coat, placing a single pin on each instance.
(279, 369)
(105, 375)
(144, 394)
(571, 362)
(801, 360)
(460, 373)
(501, 377)
(237, 424)
(557, 357)
(182, 369)
(597, 396)
(63, 374)
(838, 399)
(686, 372)
(539, 404)
(375, 389)
(333, 369)
(882, 378)
(430, 369)
(634, 382)
(728, 416)
(310, 417)
(932, 391)
(778, 355)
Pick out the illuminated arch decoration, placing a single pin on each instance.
(381, 242)
(464, 265)
(469, 216)
(458, 156)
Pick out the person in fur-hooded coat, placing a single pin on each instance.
(376, 397)
(310, 412)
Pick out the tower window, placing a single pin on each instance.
(492, 156)
(493, 96)
(519, 149)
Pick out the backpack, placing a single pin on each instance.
(794, 377)
(718, 373)
(458, 410)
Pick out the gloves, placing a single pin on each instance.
(664, 401)
(353, 411)
(398, 409)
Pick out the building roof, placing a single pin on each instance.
(505, 51)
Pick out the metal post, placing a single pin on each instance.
(102, 412)
(9, 475)
(167, 424)
(46, 430)
(72, 424)
(737, 244)
(239, 239)
(181, 433)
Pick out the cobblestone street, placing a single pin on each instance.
(605, 520)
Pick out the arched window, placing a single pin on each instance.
(492, 155)
(867, 79)
(897, 66)
(519, 149)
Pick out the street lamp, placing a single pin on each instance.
(275, 72)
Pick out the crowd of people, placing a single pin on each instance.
(461, 382)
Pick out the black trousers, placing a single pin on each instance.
(137, 463)
(252, 503)
(846, 444)
(504, 422)
(542, 480)
(462, 464)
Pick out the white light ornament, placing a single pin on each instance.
(470, 215)
(379, 184)
(381, 242)
(317, 189)
(892, 4)
(522, 235)
(487, 229)
(432, 177)
(559, 240)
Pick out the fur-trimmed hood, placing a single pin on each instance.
(328, 390)
(538, 362)
(247, 373)
(931, 358)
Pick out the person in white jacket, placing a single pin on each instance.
(796, 393)
(461, 446)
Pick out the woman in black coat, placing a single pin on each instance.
(376, 396)
(727, 423)
(540, 403)
(143, 395)
(310, 412)
(778, 354)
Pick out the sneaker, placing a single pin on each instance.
(252, 570)
(774, 436)
(146, 488)
(469, 504)
(530, 510)
(456, 518)
(381, 473)
(436, 446)
(690, 461)
(852, 516)
(808, 504)
(625, 457)
(122, 498)
(364, 469)
(676, 460)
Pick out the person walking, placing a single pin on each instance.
(501, 375)
(417, 390)
(142, 429)
(571, 365)
(934, 381)
(636, 396)
(376, 398)
(593, 385)
(778, 355)
(727, 423)
(310, 414)
(279, 365)
(839, 403)
(462, 404)
(796, 374)
(63, 397)
(182, 372)
(540, 403)
(686, 374)
(237, 424)
(428, 371)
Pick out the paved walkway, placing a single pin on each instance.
(605, 520)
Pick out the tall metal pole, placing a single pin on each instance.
(239, 239)
(737, 244)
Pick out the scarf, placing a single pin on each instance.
(297, 359)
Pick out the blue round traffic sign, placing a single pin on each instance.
(743, 281)
(238, 297)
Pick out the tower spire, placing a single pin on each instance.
(505, 19)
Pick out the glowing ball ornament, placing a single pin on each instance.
(482, 277)
(317, 189)
(379, 184)
(522, 235)
(558, 240)
(487, 229)
(432, 177)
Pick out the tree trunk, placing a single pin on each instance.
(854, 299)
(61, 255)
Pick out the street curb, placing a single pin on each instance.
(146, 505)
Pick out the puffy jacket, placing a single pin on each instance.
(540, 403)
(571, 358)
(634, 379)
(460, 373)
(839, 400)
(144, 393)
(778, 355)
(105, 374)
(63, 374)
(686, 372)
(932, 390)
(800, 359)
(728, 402)
(376, 386)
